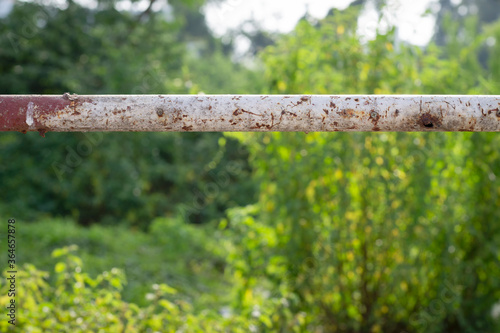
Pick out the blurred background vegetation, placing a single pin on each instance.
(238, 232)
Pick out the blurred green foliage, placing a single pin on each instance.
(116, 178)
(146, 257)
(348, 232)
(103, 178)
(370, 232)
(76, 302)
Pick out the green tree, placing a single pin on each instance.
(357, 232)
(116, 177)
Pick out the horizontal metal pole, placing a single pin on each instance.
(219, 113)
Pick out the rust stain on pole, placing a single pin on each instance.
(217, 113)
(30, 112)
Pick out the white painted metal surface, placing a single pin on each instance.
(306, 113)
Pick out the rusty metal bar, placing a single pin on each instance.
(217, 113)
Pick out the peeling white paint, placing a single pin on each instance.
(263, 113)
(29, 113)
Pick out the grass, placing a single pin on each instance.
(186, 257)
